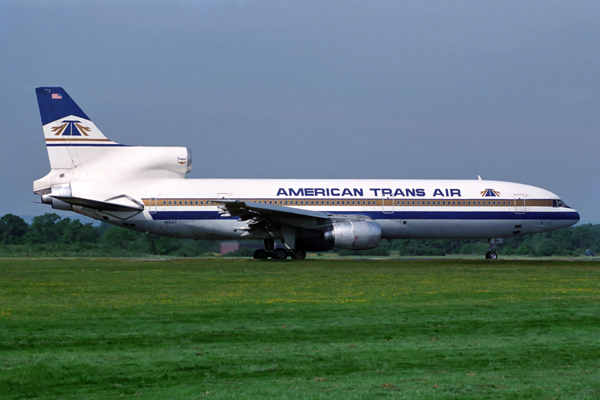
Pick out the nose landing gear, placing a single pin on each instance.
(491, 253)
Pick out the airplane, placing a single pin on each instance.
(144, 189)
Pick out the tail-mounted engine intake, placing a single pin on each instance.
(58, 190)
(354, 235)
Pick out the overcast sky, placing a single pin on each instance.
(509, 90)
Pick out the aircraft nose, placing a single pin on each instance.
(569, 218)
(574, 217)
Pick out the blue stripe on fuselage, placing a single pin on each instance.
(401, 215)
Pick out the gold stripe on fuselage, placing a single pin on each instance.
(192, 202)
(77, 140)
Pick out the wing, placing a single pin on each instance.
(293, 221)
(267, 214)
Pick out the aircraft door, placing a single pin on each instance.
(388, 205)
(519, 204)
(153, 205)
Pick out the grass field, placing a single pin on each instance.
(315, 329)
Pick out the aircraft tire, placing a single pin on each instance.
(300, 254)
(260, 254)
(493, 255)
(487, 255)
(279, 254)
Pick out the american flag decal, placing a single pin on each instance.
(56, 96)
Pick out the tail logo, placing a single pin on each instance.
(181, 160)
(490, 193)
(71, 128)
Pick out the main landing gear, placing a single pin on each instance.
(277, 254)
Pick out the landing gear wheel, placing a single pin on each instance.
(279, 254)
(491, 253)
(260, 254)
(300, 254)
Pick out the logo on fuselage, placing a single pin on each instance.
(490, 193)
(71, 128)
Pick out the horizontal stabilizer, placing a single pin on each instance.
(99, 205)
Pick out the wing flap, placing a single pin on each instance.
(248, 210)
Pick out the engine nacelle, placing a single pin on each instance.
(311, 240)
(355, 235)
(143, 162)
(58, 190)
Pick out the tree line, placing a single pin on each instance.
(51, 235)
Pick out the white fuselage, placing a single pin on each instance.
(460, 209)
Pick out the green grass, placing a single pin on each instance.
(334, 329)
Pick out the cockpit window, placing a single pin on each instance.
(559, 203)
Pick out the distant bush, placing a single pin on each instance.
(377, 251)
(243, 252)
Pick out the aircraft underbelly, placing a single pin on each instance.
(451, 229)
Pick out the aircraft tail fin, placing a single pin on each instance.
(84, 162)
(66, 127)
